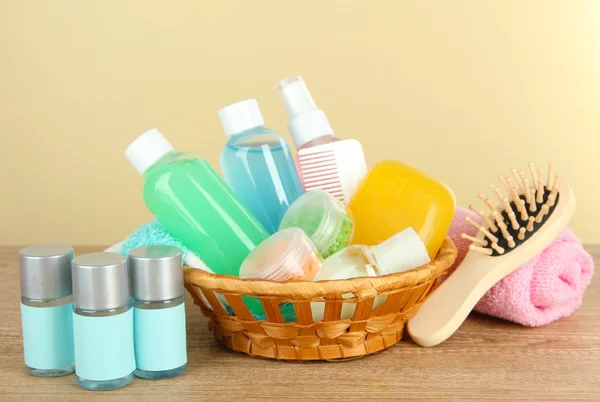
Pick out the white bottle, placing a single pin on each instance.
(402, 252)
(323, 161)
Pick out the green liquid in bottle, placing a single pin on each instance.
(197, 207)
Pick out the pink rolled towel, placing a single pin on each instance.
(547, 288)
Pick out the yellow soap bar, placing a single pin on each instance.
(394, 196)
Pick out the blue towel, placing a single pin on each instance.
(153, 233)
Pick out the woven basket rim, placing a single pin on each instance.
(360, 286)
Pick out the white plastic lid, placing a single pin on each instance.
(241, 116)
(147, 149)
(401, 252)
(320, 215)
(306, 120)
(285, 255)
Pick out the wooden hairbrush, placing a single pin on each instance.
(517, 229)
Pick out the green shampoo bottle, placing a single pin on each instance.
(194, 204)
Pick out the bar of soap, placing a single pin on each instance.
(394, 196)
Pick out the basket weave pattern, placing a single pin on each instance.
(367, 331)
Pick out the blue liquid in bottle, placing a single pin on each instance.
(257, 164)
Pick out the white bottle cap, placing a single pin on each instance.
(401, 252)
(147, 149)
(240, 116)
(307, 121)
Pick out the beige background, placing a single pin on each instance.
(463, 90)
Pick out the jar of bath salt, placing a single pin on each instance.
(287, 255)
(323, 218)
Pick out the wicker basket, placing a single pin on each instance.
(367, 331)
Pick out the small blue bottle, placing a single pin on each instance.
(158, 311)
(46, 309)
(102, 321)
(257, 164)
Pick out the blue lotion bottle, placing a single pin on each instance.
(257, 164)
(46, 309)
(158, 311)
(102, 321)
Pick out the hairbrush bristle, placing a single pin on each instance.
(518, 178)
(549, 181)
(497, 249)
(497, 191)
(483, 250)
(486, 219)
(509, 220)
(528, 194)
(533, 175)
(474, 240)
(486, 232)
(554, 191)
(540, 187)
(523, 210)
(488, 202)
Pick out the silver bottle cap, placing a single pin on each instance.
(45, 271)
(156, 273)
(100, 281)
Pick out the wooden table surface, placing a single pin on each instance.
(486, 359)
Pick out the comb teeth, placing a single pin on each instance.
(518, 214)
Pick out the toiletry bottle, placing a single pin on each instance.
(158, 311)
(323, 161)
(324, 219)
(257, 164)
(402, 252)
(102, 321)
(287, 255)
(46, 309)
(194, 204)
(394, 196)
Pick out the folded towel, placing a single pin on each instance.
(153, 234)
(546, 288)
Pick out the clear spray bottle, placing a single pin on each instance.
(323, 161)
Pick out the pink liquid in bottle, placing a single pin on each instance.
(323, 161)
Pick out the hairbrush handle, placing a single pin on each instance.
(448, 306)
